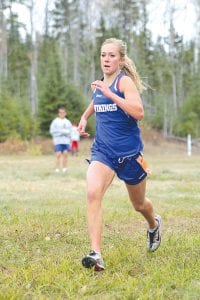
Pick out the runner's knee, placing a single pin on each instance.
(94, 195)
(138, 206)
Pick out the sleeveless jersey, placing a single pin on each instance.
(117, 133)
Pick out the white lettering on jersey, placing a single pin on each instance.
(105, 107)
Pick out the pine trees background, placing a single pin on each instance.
(41, 70)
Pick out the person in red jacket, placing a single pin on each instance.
(75, 138)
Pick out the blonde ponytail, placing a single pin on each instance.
(130, 70)
(128, 65)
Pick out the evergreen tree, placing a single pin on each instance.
(15, 118)
(54, 92)
(18, 63)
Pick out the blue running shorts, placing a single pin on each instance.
(131, 169)
(61, 147)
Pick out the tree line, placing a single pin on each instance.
(40, 71)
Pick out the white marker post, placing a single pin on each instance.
(189, 145)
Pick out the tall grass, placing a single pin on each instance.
(43, 233)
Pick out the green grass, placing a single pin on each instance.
(43, 233)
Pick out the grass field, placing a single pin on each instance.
(43, 232)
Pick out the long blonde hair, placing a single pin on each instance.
(128, 65)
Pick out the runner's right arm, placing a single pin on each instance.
(83, 122)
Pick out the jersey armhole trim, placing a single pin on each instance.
(118, 83)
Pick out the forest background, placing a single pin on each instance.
(43, 69)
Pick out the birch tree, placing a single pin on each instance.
(65, 24)
(3, 44)
(33, 61)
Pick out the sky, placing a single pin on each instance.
(184, 17)
(24, 15)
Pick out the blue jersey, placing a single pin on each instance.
(117, 133)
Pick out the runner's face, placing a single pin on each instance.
(110, 59)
